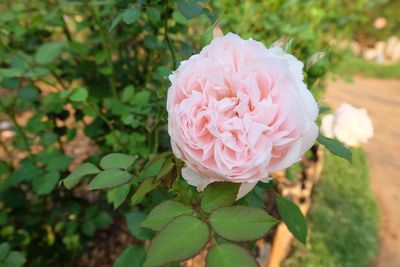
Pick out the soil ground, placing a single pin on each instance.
(381, 98)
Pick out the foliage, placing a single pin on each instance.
(352, 65)
(334, 146)
(10, 258)
(100, 69)
(310, 24)
(342, 198)
(293, 218)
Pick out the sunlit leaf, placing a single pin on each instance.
(293, 218)
(48, 52)
(164, 213)
(230, 255)
(336, 147)
(218, 195)
(181, 239)
(80, 172)
(109, 178)
(241, 223)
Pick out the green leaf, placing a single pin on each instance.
(79, 94)
(28, 93)
(293, 218)
(153, 167)
(11, 72)
(133, 221)
(334, 146)
(141, 98)
(230, 255)
(4, 167)
(153, 14)
(43, 185)
(164, 213)
(165, 168)
(37, 72)
(254, 198)
(216, 195)
(131, 15)
(14, 259)
(118, 195)
(77, 175)
(132, 256)
(117, 160)
(147, 186)
(79, 48)
(103, 219)
(181, 239)
(58, 162)
(26, 172)
(179, 18)
(241, 223)
(127, 93)
(324, 109)
(88, 228)
(48, 52)
(4, 250)
(109, 178)
(115, 22)
(189, 8)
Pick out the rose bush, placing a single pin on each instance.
(349, 125)
(238, 111)
(85, 83)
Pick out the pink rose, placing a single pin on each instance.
(238, 111)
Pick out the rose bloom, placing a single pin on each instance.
(349, 125)
(239, 111)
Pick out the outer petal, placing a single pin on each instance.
(309, 102)
(195, 179)
(244, 189)
(308, 138)
(291, 157)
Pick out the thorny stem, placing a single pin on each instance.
(59, 141)
(166, 35)
(19, 129)
(108, 122)
(106, 45)
(8, 152)
(58, 79)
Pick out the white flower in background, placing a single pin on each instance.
(327, 125)
(349, 125)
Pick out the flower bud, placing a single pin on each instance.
(317, 65)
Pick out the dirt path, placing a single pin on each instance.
(382, 100)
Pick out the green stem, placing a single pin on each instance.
(8, 152)
(156, 133)
(166, 35)
(107, 47)
(58, 79)
(108, 122)
(19, 129)
(59, 141)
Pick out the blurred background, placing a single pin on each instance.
(79, 79)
